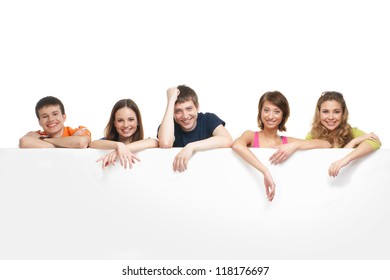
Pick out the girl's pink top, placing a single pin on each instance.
(256, 142)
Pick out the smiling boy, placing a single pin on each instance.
(51, 117)
(184, 126)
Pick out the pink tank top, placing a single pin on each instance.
(256, 142)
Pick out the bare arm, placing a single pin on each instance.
(363, 149)
(70, 141)
(143, 145)
(104, 144)
(286, 150)
(133, 147)
(221, 139)
(356, 141)
(125, 152)
(32, 140)
(240, 146)
(166, 133)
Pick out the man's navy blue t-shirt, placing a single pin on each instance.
(205, 125)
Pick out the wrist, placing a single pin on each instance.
(265, 172)
(190, 147)
(120, 145)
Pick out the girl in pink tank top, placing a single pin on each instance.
(273, 112)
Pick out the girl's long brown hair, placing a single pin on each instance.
(110, 131)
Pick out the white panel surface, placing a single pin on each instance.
(60, 204)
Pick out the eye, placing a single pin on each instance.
(276, 112)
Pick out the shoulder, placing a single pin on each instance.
(309, 136)
(208, 115)
(248, 134)
(291, 139)
(210, 118)
(357, 132)
(79, 131)
(41, 132)
(246, 138)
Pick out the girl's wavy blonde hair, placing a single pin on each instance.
(339, 137)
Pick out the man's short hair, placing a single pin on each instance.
(49, 101)
(187, 94)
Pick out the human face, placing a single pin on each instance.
(126, 124)
(186, 114)
(271, 115)
(331, 114)
(51, 120)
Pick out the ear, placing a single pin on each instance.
(64, 116)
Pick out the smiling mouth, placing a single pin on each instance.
(52, 125)
(186, 121)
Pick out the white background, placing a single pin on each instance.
(92, 53)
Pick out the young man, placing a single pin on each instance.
(51, 117)
(183, 126)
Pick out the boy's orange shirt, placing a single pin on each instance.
(68, 131)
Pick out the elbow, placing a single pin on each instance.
(379, 144)
(229, 142)
(155, 144)
(236, 146)
(25, 142)
(22, 143)
(225, 141)
(92, 144)
(165, 144)
(376, 146)
(319, 143)
(83, 143)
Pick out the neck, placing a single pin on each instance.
(56, 135)
(125, 140)
(270, 133)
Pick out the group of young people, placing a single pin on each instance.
(184, 126)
